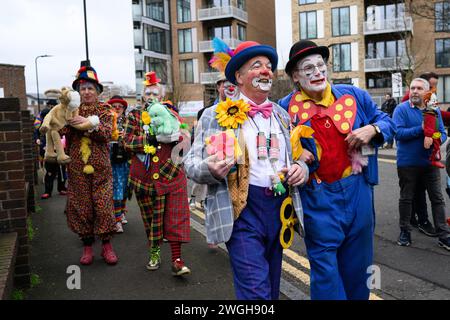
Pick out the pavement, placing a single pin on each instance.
(55, 250)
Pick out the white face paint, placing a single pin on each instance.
(263, 84)
(311, 73)
(432, 103)
(230, 90)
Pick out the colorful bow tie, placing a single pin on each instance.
(265, 109)
(342, 112)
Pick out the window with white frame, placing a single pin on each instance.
(183, 11)
(187, 71)
(340, 21)
(308, 25)
(306, 1)
(443, 89)
(185, 40)
(342, 57)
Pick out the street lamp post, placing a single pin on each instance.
(37, 78)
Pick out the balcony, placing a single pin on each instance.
(388, 26)
(209, 77)
(139, 62)
(207, 46)
(138, 38)
(222, 13)
(387, 64)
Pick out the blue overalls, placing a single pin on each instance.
(254, 247)
(339, 217)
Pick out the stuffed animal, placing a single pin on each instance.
(163, 122)
(56, 119)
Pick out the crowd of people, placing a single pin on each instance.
(309, 158)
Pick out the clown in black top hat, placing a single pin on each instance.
(332, 125)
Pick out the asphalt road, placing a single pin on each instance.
(421, 271)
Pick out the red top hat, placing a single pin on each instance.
(151, 79)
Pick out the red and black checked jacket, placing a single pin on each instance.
(163, 176)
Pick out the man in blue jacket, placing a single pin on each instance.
(414, 166)
(347, 128)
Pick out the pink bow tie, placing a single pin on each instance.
(265, 109)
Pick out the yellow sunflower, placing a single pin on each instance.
(231, 113)
(149, 149)
(146, 119)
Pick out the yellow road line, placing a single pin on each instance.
(387, 161)
(298, 258)
(198, 213)
(300, 275)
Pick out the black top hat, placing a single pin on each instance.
(302, 49)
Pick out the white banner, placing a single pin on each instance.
(397, 86)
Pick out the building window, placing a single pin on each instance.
(157, 65)
(308, 25)
(380, 82)
(385, 49)
(217, 3)
(242, 32)
(443, 89)
(186, 71)
(442, 15)
(184, 11)
(342, 81)
(306, 1)
(136, 25)
(443, 53)
(341, 21)
(241, 5)
(155, 10)
(184, 40)
(342, 54)
(157, 39)
(135, 2)
(219, 32)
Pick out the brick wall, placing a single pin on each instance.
(12, 80)
(16, 180)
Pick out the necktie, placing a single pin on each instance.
(265, 109)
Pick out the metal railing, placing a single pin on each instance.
(222, 12)
(387, 64)
(209, 77)
(138, 37)
(390, 25)
(207, 46)
(139, 61)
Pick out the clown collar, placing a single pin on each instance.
(326, 101)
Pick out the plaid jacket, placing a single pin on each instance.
(164, 175)
(219, 208)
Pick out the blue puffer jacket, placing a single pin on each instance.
(368, 113)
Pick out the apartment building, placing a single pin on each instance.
(373, 42)
(174, 38)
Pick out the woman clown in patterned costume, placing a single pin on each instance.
(90, 186)
(159, 182)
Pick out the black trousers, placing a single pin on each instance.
(420, 204)
(54, 170)
(430, 178)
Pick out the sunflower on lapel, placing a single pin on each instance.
(231, 114)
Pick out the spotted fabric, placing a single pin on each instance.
(90, 197)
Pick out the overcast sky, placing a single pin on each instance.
(29, 28)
